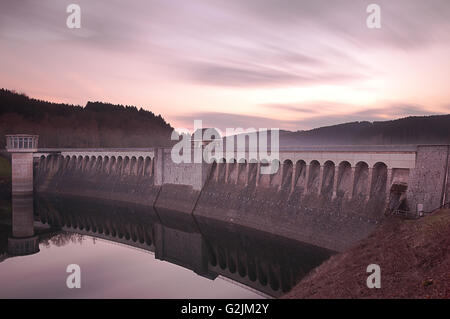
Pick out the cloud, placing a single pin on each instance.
(249, 75)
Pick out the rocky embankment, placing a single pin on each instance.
(414, 257)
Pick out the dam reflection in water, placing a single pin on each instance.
(217, 260)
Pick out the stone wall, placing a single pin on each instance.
(427, 181)
(326, 203)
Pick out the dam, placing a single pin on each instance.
(329, 197)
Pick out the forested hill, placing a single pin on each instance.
(94, 125)
(409, 130)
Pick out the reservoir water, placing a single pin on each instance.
(131, 251)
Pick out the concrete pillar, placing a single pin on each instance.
(320, 179)
(258, 172)
(307, 178)
(335, 180)
(388, 183)
(352, 182)
(247, 171)
(216, 173)
(159, 166)
(369, 183)
(281, 174)
(293, 177)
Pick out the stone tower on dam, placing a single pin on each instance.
(23, 240)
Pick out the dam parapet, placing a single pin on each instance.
(330, 197)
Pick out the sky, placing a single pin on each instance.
(288, 64)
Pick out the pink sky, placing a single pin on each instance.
(248, 63)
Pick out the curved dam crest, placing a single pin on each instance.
(329, 197)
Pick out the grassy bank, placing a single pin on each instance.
(414, 257)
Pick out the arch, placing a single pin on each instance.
(287, 171)
(112, 165)
(252, 173)
(313, 178)
(119, 164)
(106, 165)
(133, 166)
(360, 187)
(140, 166)
(344, 179)
(79, 166)
(98, 164)
(328, 179)
(300, 175)
(242, 172)
(85, 163)
(379, 180)
(232, 171)
(126, 166)
(148, 166)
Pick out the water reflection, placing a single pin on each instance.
(269, 264)
(22, 240)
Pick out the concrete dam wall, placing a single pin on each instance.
(328, 197)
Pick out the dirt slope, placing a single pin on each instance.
(414, 256)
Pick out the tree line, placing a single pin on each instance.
(96, 124)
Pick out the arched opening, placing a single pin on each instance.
(119, 164)
(133, 166)
(360, 188)
(140, 166)
(84, 165)
(232, 171)
(344, 177)
(148, 166)
(313, 178)
(242, 172)
(264, 179)
(287, 170)
(126, 166)
(252, 172)
(105, 165)
(300, 175)
(379, 181)
(80, 163)
(328, 179)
